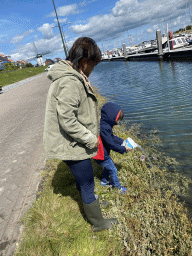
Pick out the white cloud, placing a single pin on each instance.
(124, 7)
(84, 3)
(18, 38)
(66, 10)
(51, 46)
(61, 20)
(130, 14)
(2, 53)
(23, 52)
(179, 21)
(46, 30)
(105, 26)
(156, 27)
(149, 30)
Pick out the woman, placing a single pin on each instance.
(72, 124)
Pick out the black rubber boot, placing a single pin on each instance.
(93, 213)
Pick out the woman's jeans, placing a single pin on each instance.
(83, 173)
(109, 170)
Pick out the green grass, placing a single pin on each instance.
(152, 221)
(20, 74)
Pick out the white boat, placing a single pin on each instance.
(144, 47)
(133, 50)
(117, 52)
(174, 43)
(105, 56)
(178, 42)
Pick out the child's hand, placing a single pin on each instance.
(127, 148)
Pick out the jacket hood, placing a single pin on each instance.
(62, 69)
(109, 113)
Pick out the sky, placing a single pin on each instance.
(28, 27)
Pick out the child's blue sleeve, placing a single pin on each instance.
(108, 137)
(117, 140)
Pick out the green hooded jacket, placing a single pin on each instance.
(71, 126)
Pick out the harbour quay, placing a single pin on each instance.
(165, 50)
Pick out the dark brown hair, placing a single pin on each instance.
(84, 47)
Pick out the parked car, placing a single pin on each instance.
(49, 67)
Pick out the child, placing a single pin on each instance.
(111, 114)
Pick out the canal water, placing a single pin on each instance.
(157, 95)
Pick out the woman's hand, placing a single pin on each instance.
(127, 148)
(97, 143)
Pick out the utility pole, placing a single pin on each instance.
(65, 43)
(190, 15)
(64, 47)
(65, 40)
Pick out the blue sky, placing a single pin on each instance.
(110, 23)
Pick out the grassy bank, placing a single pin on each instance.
(151, 219)
(18, 75)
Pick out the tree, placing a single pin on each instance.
(188, 27)
(10, 66)
(29, 65)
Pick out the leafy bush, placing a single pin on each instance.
(10, 66)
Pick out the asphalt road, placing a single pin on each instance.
(22, 110)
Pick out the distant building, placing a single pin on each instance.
(49, 62)
(4, 59)
(20, 63)
(57, 59)
(9, 58)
